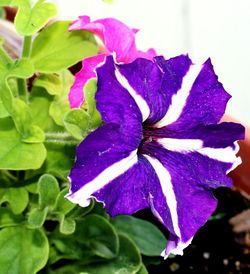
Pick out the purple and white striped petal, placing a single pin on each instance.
(145, 77)
(200, 99)
(117, 101)
(101, 157)
(186, 181)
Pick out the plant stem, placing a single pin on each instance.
(60, 138)
(26, 46)
(22, 85)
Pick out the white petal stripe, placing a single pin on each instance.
(141, 103)
(225, 155)
(83, 195)
(167, 190)
(179, 99)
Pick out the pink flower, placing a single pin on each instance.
(118, 39)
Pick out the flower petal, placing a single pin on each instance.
(76, 96)
(101, 157)
(217, 142)
(116, 36)
(145, 77)
(185, 180)
(116, 104)
(201, 99)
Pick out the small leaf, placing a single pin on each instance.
(48, 189)
(51, 82)
(15, 154)
(77, 121)
(22, 250)
(148, 237)
(90, 103)
(37, 217)
(55, 48)
(7, 218)
(30, 20)
(63, 205)
(60, 104)
(40, 102)
(17, 198)
(67, 225)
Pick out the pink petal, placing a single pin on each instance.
(116, 36)
(76, 96)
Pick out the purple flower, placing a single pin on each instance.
(117, 38)
(160, 147)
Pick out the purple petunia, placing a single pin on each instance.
(117, 38)
(160, 146)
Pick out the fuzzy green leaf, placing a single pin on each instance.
(48, 189)
(17, 198)
(7, 218)
(55, 48)
(67, 225)
(60, 104)
(22, 250)
(77, 122)
(37, 217)
(30, 19)
(15, 154)
(148, 237)
(63, 205)
(51, 82)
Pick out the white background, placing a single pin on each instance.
(219, 29)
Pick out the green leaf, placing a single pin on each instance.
(67, 225)
(55, 48)
(17, 198)
(37, 217)
(77, 123)
(7, 218)
(40, 102)
(94, 239)
(147, 237)
(99, 236)
(143, 270)
(63, 205)
(22, 250)
(56, 163)
(15, 154)
(19, 111)
(60, 104)
(30, 20)
(51, 82)
(48, 189)
(90, 103)
(128, 261)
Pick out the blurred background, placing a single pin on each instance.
(216, 28)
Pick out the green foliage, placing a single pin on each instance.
(22, 250)
(39, 228)
(55, 49)
(31, 18)
(148, 238)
